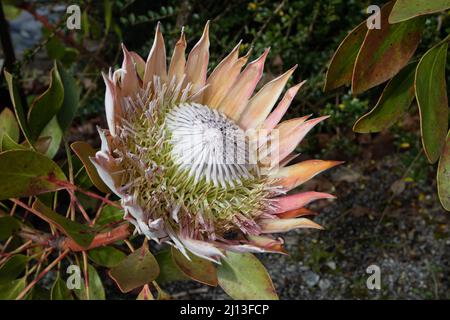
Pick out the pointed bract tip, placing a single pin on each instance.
(261, 58)
(124, 49)
(294, 89)
(317, 120)
(247, 55)
(182, 39)
(301, 84)
(106, 78)
(237, 46)
(206, 30)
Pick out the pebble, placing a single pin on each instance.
(324, 284)
(331, 265)
(311, 278)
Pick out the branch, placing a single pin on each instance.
(102, 239)
(41, 275)
(64, 243)
(69, 186)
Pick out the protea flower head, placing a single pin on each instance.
(199, 161)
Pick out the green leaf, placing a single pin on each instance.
(96, 289)
(71, 99)
(385, 51)
(70, 56)
(431, 95)
(408, 9)
(9, 125)
(83, 150)
(109, 214)
(198, 269)
(82, 179)
(55, 47)
(11, 11)
(443, 176)
(60, 291)
(341, 66)
(80, 233)
(54, 132)
(9, 144)
(10, 290)
(393, 103)
(8, 227)
(106, 256)
(38, 293)
(12, 268)
(17, 104)
(134, 271)
(243, 277)
(108, 14)
(47, 105)
(168, 269)
(28, 172)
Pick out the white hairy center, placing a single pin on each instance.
(208, 144)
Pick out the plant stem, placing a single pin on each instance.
(42, 274)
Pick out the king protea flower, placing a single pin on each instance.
(199, 161)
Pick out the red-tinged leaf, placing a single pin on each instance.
(408, 9)
(385, 51)
(136, 270)
(47, 105)
(197, 269)
(393, 103)
(431, 95)
(341, 66)
(443, 176)
(27, 173)
(243, 277)
(168, 269)
(83, 151)
(80, 233)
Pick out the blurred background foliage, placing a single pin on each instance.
(300, 32)
(303, 32)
